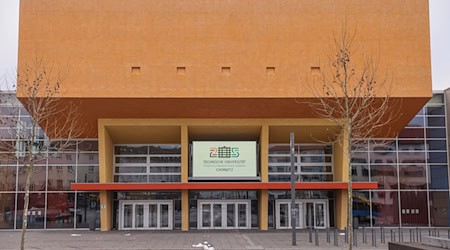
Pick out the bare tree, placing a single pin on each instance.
(355, 96)
(39, 89)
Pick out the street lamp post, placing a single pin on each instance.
(293, 208)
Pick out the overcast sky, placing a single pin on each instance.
(439, 21)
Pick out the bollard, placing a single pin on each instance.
(392, 236)
(448, 233)
(410, 235)
(400, 234)
(346, 235)
(374, 240)
(417, 234)
(316, 237)
(429, 232)
(328, 235)
(355, 237)
(310, 235)
(364, 235)
(382, 235)
(335, 237)
(438, 233)
(420, 235)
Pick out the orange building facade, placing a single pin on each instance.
(160, 82)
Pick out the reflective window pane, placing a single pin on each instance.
(88, 210)
(385, 175)
(411, 145)
(436, 145)
(164, 149)
(384, 157)
(130, 150)
(385, 208)
(439, 209)
(165, 159)
(129, 170)
(88, 146)
(438, 177)
(436, 99)
(417, 121)
(152, 215)
(36, 210)
(360, 157)
(87, 174)
(60, 210)
(131, 159)
(436, 133)
(435, 121)
(7, 210)
(360, 145)
(60, 177)
(63, 158)
(435, 110)
(130, 178)
(361, 208)
(383, 145)
(414, 208)
(360, 173)
(127, 216)
(316, 178)
(437, 157)
(411, 157)
(413, 177)
(88, 158)
(38, 178)
(8, 178)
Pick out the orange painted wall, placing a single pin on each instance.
(100, 40)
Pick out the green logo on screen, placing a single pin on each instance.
(224, 152)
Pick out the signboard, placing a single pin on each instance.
(224, 160)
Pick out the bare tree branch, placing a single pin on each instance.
(355, 97)
(39, 90)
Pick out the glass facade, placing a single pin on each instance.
(313, 162)
(52, 203)
(411, 171)
(147, 163)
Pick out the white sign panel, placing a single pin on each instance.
(224, 159)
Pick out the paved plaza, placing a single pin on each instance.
(244, 239)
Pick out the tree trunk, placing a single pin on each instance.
(349, 193)
(25, 206)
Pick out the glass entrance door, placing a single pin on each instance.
(144, 215)
(219, 214)
(283, 210)
(309, 214)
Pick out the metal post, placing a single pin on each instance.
(382, 235)
(335, 237)
(310, 235)
(316, 237)
(392, 236)
(373, 241)
(400, 234)
(410, 235)
(293, 208)
(374, 238)
(355, 237)
(328, 235)
(364, 235)
(346, 235)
